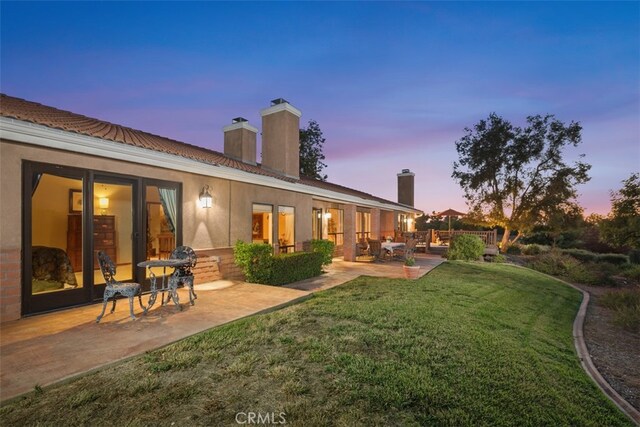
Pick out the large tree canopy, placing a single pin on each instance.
(311, 156)
(517, 177)
(622, 226)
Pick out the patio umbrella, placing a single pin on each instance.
(450, 212)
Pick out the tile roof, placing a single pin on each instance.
(34, 112)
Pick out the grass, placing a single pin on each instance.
(468, 344)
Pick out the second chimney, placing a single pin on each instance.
(240, 140)
(406, 187)
(281, 138)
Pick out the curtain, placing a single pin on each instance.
(169, 204)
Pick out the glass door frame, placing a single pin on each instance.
(89, 293)
(117, 179)
(32, 304)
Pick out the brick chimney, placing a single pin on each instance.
(281, 138)
(240, 140)
(406, 187)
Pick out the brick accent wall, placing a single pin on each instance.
(209, 269)
(10, 288)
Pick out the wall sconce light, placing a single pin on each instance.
(205, 197)
(103, 203)
(327, 215)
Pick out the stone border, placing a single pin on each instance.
(590, 368)
(585, 359)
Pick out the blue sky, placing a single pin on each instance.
(392, 85)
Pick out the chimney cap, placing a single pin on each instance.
(239, 123)
(278, 101)
(406, 172)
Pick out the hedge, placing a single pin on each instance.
(587, 256)
(255, 260)
(288, 268)
(325, 247)
(259, 265)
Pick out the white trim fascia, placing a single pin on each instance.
(240, 125)
(285, 106)
(43, 136)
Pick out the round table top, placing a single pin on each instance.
(174, 262)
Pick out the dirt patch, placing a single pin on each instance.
(614, 351)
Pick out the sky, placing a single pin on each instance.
(392, 85)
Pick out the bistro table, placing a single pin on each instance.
(166, 285)
(390, 246)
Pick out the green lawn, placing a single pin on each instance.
(468, 344)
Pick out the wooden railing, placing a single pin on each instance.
(490, 238)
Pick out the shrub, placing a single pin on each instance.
(288, 268)
(532, 249)
(499, 258)
(554, 263)
(591, 274)
(632, 273)
(255, 260)
(580, 254)
(513, 250)
(616, 259)
(325, 247)
(634, 256)
(626, 308)
(466, 247)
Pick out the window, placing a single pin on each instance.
(363, 226)
(316, 224)
(335, 226)
(402, 222)
(262, 224)
(286, 229)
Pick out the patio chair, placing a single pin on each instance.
(407, 251)
(184, 274)
(362, 248)
(375, 249)
(113, 287)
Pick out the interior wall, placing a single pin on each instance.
(51, 209)
(120, 206)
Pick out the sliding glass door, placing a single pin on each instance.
(70, 214)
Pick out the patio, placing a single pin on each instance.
(53, 347)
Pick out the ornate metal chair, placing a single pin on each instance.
(113, 287)
(184, 274)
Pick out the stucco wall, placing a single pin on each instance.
(218, 227)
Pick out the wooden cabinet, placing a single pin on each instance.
(104, 238)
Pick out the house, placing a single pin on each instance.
(73, 185)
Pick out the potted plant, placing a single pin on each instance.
(411, 270)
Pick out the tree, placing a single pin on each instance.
(622, 226)
(311, 156)
(515, 177)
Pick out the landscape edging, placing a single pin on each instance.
(585, 358)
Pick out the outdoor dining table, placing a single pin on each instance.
(390, 246)
(166, 285)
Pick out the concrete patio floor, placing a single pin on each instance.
(49, 348)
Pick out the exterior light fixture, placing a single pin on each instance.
(205, 197)
(327, 215)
